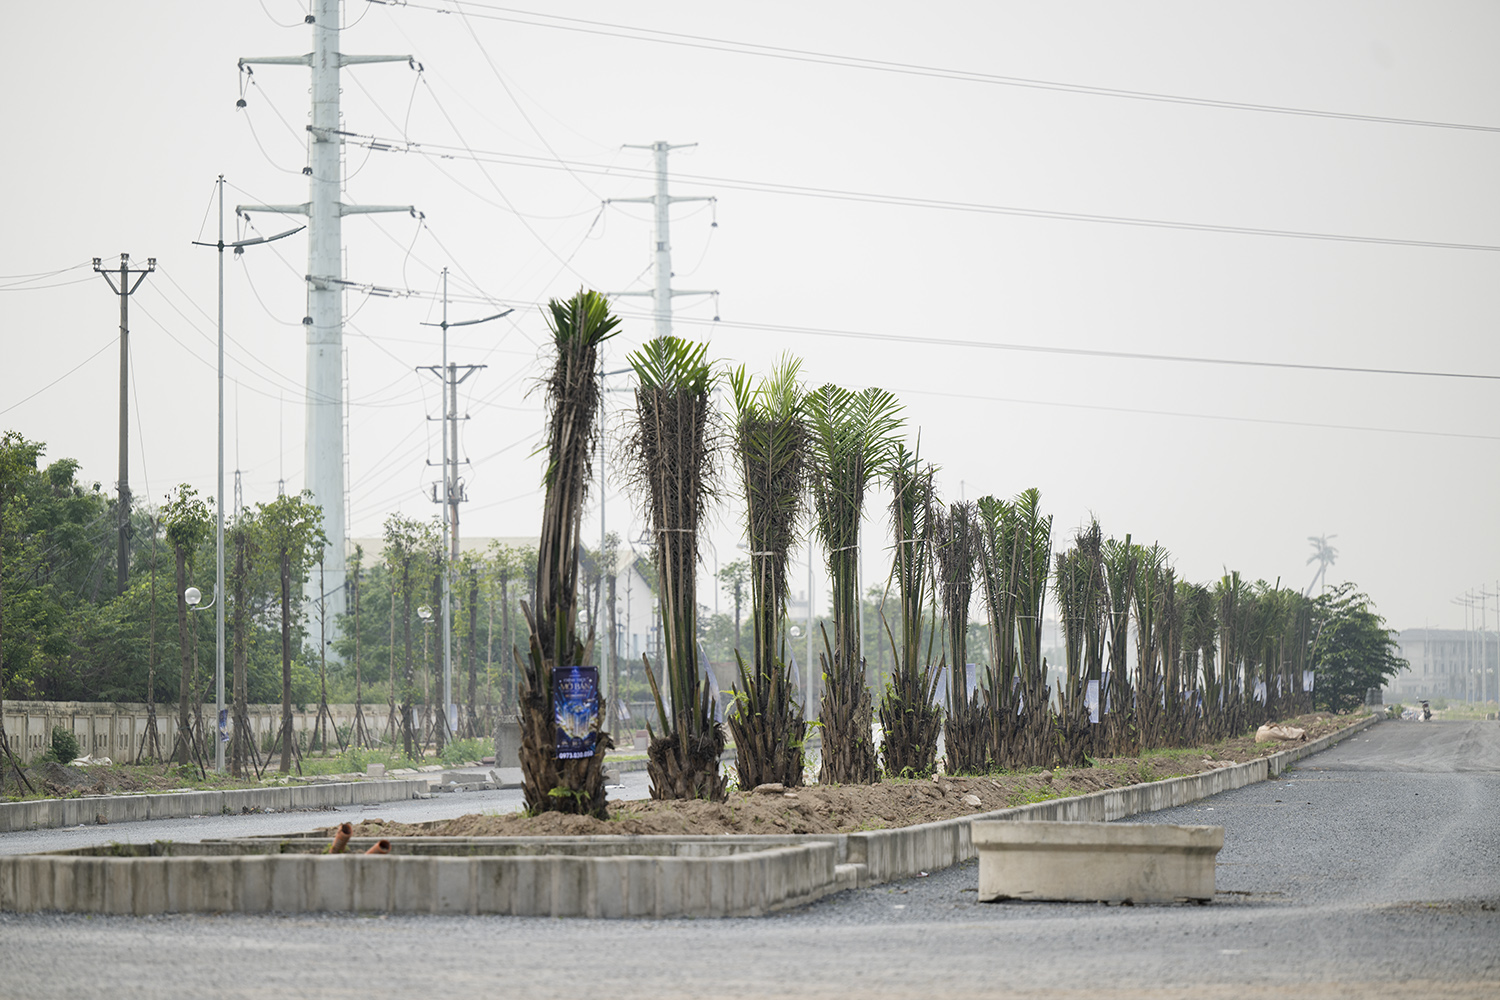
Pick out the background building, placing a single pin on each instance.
(1447, 663)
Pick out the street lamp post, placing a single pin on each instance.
(239, 247)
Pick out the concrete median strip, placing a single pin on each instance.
(43, 814)
(610, 877)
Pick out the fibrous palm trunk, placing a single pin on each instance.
(673, 450)
(769, 443)
(567, 784)
(909, 714)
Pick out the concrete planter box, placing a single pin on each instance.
(1096, 862)
(614, 876)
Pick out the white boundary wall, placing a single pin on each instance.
(115, 729)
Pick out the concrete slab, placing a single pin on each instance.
(1096, 862)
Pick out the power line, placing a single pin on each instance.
(91, 357)
(586, 26)
(906, 201)
(1087, 352)
(1195, 416)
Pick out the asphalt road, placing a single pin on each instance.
(1373, 870)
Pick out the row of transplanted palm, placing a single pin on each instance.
(1151, 661)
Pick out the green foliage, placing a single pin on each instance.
(1353, 650)
(673, 465)
(852, 438)
(456, 752)
(64, 747)
(909, 714)
(770, 436)
(187, 519)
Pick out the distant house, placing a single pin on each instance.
(1446, 663)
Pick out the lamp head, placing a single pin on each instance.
(192, 596)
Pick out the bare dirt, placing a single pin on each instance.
(849, 808)
(55, 780)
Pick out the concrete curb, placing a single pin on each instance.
(738, 885)
(47, 813)
(905, 851)
(659, 877)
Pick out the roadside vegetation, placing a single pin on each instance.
(940, 666)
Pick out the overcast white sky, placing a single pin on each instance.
(117, 118)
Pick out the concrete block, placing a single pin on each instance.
(639, 876)
(122, 809)
(454, 882)
(508, 742)
(493, 882)
(1112, 862)
(372, 884)
(330, 883)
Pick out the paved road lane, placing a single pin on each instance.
(445, 805)
(1384, 886)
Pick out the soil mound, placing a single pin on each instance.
(850, 808)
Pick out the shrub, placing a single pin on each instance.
(64, 748)
(462, 751)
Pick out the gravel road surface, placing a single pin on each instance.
(1372, 870)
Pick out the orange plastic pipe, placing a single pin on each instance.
(341, 839)
(380, 847)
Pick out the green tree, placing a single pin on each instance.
(243, 543)
(188, 522)
(17, 459)
(1353, 651)
(735, 577)
(406, 541)
(292, 527)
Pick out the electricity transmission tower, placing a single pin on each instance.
(124, 290)
(453, 491)
(662, 291)
(324, 444)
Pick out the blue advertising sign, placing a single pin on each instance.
(575, 711)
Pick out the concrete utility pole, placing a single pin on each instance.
(662, 292)
(452, 489)
(124, 290)
(323, 437)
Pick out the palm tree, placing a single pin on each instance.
(1199, 646)
(578, 326)
(1231, 595)
(997, 553)
(1080, 588)
(1016, 555)
(770, 439)
(853, 437)
(956, 545)
(1121, 560)
(909, 714)
(673, 448)
(1150, 586)
(1031, 565)
(1324, 555)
